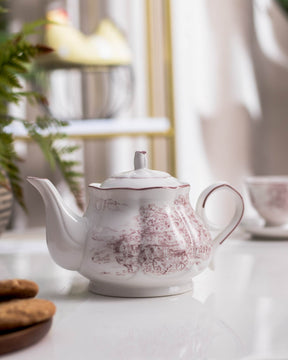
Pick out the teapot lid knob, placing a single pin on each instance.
(141, 177)
(140, 160)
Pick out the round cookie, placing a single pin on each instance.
(17, 288)
(24, 312)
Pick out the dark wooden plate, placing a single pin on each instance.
(20, 339)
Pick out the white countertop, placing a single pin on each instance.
(238, 311)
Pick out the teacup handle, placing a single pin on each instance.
(234, 222)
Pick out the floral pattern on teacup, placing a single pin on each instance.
(278, 196)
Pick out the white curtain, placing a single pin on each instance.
(229, 93)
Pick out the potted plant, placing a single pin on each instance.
(16, 56)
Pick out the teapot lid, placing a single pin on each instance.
(141, 177)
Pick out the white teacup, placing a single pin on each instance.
(269, 196)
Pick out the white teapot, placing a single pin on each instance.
(139, 236)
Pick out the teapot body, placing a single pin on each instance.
(143, 242)
(139, 236)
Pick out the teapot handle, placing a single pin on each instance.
(234, 222)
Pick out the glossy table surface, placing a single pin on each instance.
(237, 311)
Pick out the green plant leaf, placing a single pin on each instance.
(32, 27)
(16, 56)
(9, 167)
(284, 5)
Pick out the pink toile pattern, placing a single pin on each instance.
(278, 196)
(164, 241)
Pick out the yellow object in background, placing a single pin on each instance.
(106, 46)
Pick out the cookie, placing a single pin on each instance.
(24, 312)
(17, 288)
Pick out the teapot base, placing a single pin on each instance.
(108, 289)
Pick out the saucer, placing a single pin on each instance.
(259, 230)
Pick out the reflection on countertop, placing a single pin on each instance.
(237, 311)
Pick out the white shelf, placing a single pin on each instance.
(107, 127)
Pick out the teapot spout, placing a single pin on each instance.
(65, 230)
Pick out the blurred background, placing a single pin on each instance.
(203, 89)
